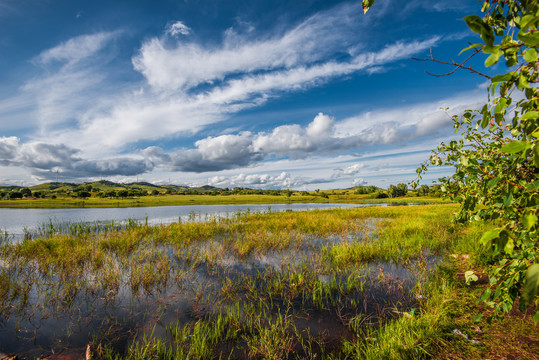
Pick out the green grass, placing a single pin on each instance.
(171, 200)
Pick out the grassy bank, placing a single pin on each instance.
(170, 200)
(359, 283)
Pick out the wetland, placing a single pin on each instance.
(324, 284)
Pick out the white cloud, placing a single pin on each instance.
(402, 124)
(359, 182)
(178, 28)
(8, 150)
(189, 64)
(283, 180)
(44, 159)
(353, 169)
(147, 116)
(189, 86)
(243, 72)
(77, 48)
(70, 86)
(295, 141)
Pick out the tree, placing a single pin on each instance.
(423, 190)
(397, 191)
(26, 192)
(496, 159)
(122, 193)
(402, 189)
(15, 195)
(392, 191)
(83, 194)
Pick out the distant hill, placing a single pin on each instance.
(105, 186)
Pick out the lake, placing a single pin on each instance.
(15, 222)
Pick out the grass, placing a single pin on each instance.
(361, 283)
(171, 200)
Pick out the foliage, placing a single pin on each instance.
(496, 160)
(366, 190)
(398, 190)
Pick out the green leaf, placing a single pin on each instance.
(530, 55)
(474, 22)
(531, 286)
(492, 183)
(534, 114)
(490, 235)
(529, 220)
(366, 5)
(493, 58)
(530, 39)
(473, 46)
(522, 81)
(536, 156)
(502, 104)
(509, 246)
(533, 186)
(536, 317)
(508, 200)
(470, 277)
(527, 21)
(504, 77)
(488, 36)
(515, 146)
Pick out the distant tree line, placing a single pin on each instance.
(87, 191)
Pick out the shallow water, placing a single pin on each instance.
(58, 316)
(15, 222)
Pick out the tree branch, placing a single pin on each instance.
(455, 64)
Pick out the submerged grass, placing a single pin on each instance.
(325, 284)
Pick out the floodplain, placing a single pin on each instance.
(356, 283)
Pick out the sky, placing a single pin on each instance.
(265, 94)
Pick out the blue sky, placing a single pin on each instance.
(260, 94)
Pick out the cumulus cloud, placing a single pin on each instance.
(284, 180)
(349, 170)
(178, 28)
(8, 150)
(295, 141)
(404, 124)
(244, 149)
(323, 136)
(359, 182)
(44, 160)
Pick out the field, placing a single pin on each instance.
(362, 283)
(169, 200)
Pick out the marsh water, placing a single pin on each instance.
(15, 222)
(56, 310)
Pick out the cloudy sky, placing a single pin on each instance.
(304, 94)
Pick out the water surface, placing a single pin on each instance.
(15, 222)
